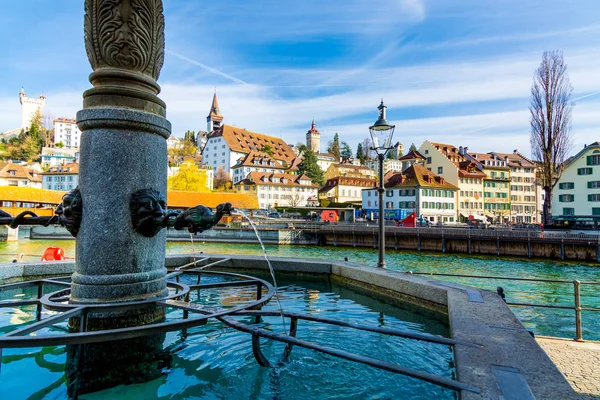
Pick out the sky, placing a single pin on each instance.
(456, 72)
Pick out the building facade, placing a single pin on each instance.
(389, 164)
(19, 175)
(576, 196)
(418, 190)
(255, 161)
(63, 177)
(67, 133)
(349, 171)
(496, 186)
(523, 190)
(457, 168)
(275, 189)
(54, 156)
(344, 190)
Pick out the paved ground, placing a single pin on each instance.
(579, 362)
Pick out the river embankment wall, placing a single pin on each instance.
(530, 244)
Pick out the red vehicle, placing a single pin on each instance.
(330, 216)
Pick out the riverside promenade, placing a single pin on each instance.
(578, 361)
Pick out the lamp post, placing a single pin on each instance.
(381, 136)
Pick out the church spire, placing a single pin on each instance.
(214, 118)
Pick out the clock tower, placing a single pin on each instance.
(214, 119)
(313, 138)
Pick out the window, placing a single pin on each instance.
(594, 184)
(389, 193)
(428, 160)
(389, 204)
(584, 171)
(594, 197)
(566, 185)
(593, 160)
(440, 170)
(566, 198)
(568, 211)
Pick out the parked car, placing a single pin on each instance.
(274, 215)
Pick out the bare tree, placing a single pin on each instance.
(551, 136)
(293, 200)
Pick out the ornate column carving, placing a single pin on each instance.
(125, 44)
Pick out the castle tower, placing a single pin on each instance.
(29, 106)
(313, 138)
(214, 119)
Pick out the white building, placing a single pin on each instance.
(63, 177)
(576, 197)
(226, 144)
(19, 175)
(29, 107)
(275, 189)
(255, 161)
(415, 190)
(67, 133)
(54, 156)
(389, 164)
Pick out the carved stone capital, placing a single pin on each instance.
(125, 44)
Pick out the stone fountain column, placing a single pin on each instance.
(123, 150)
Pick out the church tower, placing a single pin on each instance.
(214, 119)
(313, 138)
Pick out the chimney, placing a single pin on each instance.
(461, 151)
(515, 151)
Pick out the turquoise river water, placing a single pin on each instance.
(541, 321)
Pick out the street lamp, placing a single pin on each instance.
(381, 135)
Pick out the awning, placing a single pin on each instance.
(478, 217)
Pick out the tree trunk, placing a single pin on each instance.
(547, 220)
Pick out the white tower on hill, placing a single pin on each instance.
(29, 106)
(313, 138)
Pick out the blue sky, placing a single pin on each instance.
(450, 71)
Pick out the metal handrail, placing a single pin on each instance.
(471, 233)
(576, 295)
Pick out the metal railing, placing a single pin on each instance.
(576, 295)
(467, 233)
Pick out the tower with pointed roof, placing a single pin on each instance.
(313, 138)
(214, 118)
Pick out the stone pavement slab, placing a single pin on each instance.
(578, 361)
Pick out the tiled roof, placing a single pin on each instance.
(30, 195)
(20, 172)
(67, 169)
(258, 159)
(313, 130)
(176, 199)
(348, 181)
(65, 120)
(417, 175)
(468, 169)
(243, 141)
(412, 155)
(515, 159)
(270, 178)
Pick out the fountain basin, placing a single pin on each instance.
(476, 316)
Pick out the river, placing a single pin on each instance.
(541, 321)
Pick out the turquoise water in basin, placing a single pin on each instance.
(216, 362)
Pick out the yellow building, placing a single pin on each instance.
(349, 171)
(343, 189)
